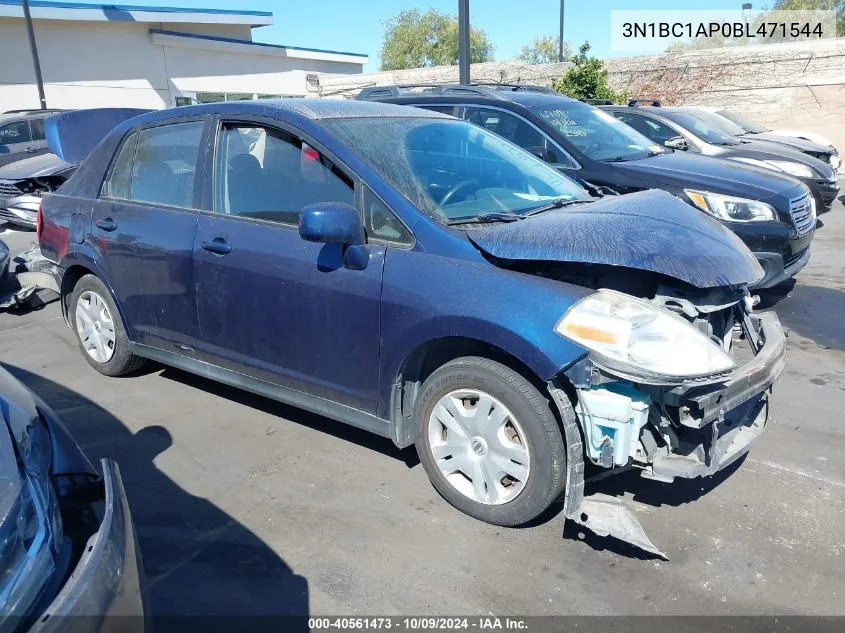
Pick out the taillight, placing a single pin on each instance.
(39, 222)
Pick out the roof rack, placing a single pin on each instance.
(598, 102)
(398, 90)
(633, 103)
(514, 87)
(34, 111)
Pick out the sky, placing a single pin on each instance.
(358, 26)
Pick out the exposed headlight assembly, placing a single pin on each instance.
(730, 208)
(641, 338)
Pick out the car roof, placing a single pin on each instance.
(312, 109)
(526, 96)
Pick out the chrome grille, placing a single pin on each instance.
(9, 189)
(803, 213)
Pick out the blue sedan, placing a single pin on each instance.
(424, 279)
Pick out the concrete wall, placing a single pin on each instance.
(798, 85)
(91, 64)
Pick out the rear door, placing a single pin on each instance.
(143, 226)
(270, 304)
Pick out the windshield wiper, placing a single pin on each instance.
(493, 216)
(558, 203)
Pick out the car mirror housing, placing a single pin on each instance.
(676, 142)
(331, 223)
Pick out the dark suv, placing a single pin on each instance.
(22, 134)
(771, 212)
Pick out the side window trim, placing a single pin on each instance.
(574, 164)
(359, 202)
(219, 123)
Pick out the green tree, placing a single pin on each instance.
(815, 5)
(414, 40)
(543, 50)
(587, 79)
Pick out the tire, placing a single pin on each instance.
(535, 473)
(112, 358)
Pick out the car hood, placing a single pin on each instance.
(801, 144)
(648, 230)
(689, 171)
(815, 137)
(767, 150)
(34, 167)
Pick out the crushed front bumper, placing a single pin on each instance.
(720, 420)
(106, 591)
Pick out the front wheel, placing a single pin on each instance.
(489, 441)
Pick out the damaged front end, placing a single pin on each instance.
(629, 417)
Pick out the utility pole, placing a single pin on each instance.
(34, 49)
(463, 41)
(560, 40)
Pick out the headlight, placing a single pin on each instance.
(787, 166)
(644, 337)
(731, 209)
(835, 161)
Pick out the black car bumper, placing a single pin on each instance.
(778, 269)
(106, 591)
(824, 192)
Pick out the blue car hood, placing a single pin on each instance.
(650, 230)
(73, 135)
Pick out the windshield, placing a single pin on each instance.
(596, 133)
(745, 124)
(693, 122)
(717, 121)
(454, 170)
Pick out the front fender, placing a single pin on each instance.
(427, 297)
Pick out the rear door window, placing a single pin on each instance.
(165, 166)
(655, 130)
(119, 181)
(37, 127)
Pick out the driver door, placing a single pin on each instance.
(270, 304)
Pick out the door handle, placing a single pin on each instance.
(218, 246)
(31, 150)
(107, 224)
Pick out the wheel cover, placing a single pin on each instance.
(479, 446)
(95, 326)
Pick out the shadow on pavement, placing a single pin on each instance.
(814, 312)
(298, 416)
(199, 561)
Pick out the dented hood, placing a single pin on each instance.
(650, 230)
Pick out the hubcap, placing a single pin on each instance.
(479, 446)
(95, 326)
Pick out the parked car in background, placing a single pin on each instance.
(68, 544)
(23, 184)
(22, 134)
(424, 279)
(696, 132)
(772, 213)
(807, 142)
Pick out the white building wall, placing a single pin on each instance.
(117, 64)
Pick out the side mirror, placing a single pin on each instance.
(676, 142)
(331, 223)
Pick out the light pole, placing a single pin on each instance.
(560, 39)
(463, 41)
(34, 49)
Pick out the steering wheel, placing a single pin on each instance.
(463, 184)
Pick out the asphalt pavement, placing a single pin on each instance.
(247, 506)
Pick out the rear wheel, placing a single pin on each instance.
(99, 329)
(489, 441)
